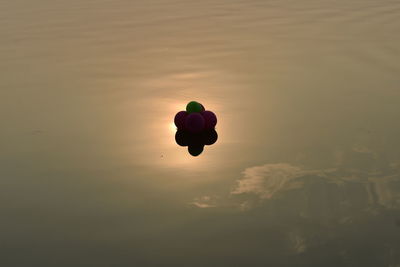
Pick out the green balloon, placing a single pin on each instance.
(193, 107)
(195, 150)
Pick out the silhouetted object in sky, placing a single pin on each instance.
(210, 119)
(195, 128)
(196, 141)
(180, 119)
(195, 119)
(194, 107)
(195, 123)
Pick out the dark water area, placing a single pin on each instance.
(306, 168)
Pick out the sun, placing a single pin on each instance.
(172, 127)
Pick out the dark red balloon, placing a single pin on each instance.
(182, 138)
(210, 119)
(194, 123)
(180, 119)
(209, 137)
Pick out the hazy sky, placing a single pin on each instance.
(306, 170)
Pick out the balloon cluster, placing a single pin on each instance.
(196, 141)
(195, 128)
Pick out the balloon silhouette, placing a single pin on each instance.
(195, 150)
(180, 119)
(196, 142)
(196, 128)
(193, 107)
(195, 123)
(210, 119)
(209, 137)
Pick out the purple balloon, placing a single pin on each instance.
(180, 119)
(210, 119)
(195, 122)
